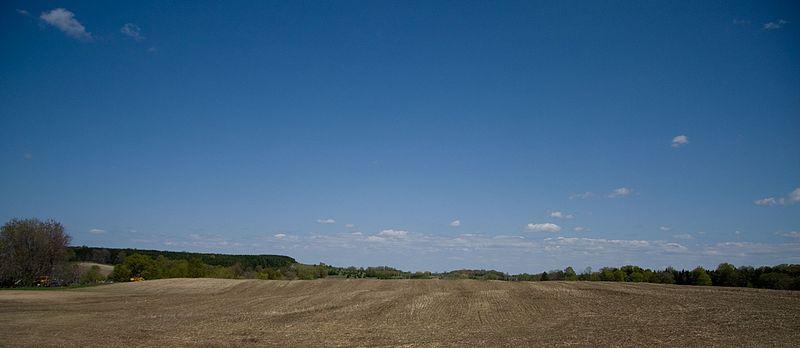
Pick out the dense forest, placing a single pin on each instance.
(116, 256)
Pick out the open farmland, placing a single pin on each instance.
(340, 312)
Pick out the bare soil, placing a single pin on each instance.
(339, 312)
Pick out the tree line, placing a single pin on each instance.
(783, 277)
(117, 255)
(32, 250)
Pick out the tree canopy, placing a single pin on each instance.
(30, 249)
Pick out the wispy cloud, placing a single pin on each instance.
(455, 223)
(392, 233)
(614, 245)
(679, 140)
(279, 235)
(766, 201)
(621, 192)
(792, 234)
(581, 229)
(97, 231)
(582, 195)
(684, 236)
(326, 221)
(741, 22)
(543, 227)
(389, 235)
(23, 12)
(664, 228)
(65, 21)
(731, 250)
(792, 198)
(775, 25)
(560, 215)
(349, 225)
(133, 31)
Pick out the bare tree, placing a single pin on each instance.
(31, 248)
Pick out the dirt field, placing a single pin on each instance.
(338, 312)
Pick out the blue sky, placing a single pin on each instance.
(519, 136)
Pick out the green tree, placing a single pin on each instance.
(544, 277)
(726, 275)
(569, 274)
(619, 275)
(196, 268)
(701, 277)
(141, 266)
(607, 274)
(664, 277)
(121, 273)
(775, 280)
(636, 277)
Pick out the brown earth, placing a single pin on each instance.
(339, 312)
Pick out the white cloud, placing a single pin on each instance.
(582, 195)
(596, 246)
(392, 233)
(97, 231)
(65, 21)
(744, 249)
(664, 228)
(792, 198)
(133, 31)
(280, 236)
(455, 223)
(775, 25)
(349, 225)
(680, 140)
(684, 236)
(560, 215)
(581, 229)
(326, 221)
(620, 192)
(23, 12)
(673, 248)
(792, 234)
(766, 201)
(545, 227)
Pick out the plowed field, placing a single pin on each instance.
(339, 312)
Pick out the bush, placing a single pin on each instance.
(92, 276)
